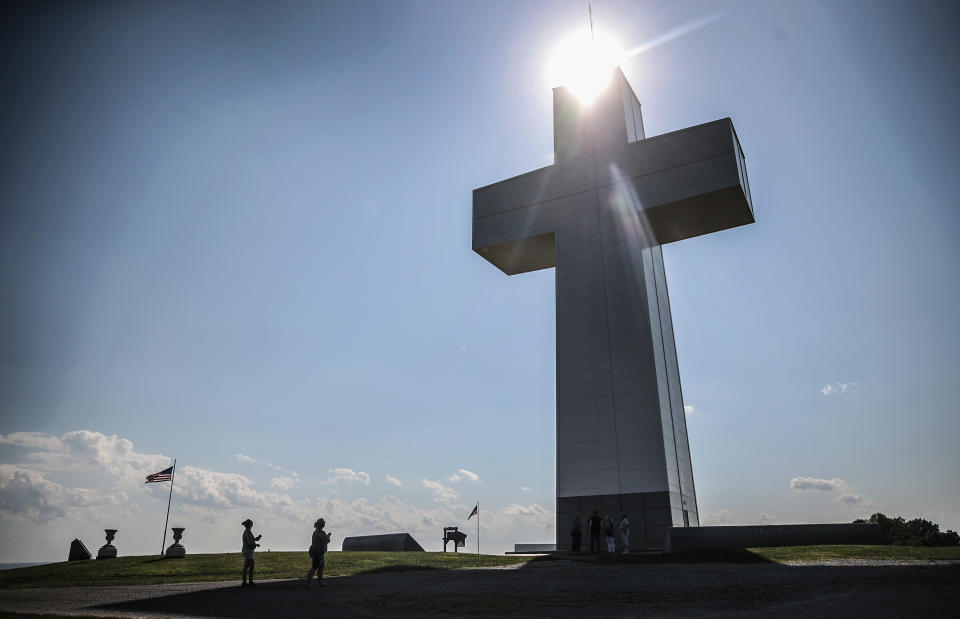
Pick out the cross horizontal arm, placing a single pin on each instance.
(685, 184)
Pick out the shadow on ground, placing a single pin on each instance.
(273, 597)
(733, 555)
(559, 586)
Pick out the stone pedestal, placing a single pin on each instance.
(108, 550)
(176, 549)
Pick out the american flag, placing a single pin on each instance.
(475, 512)
(163, 475)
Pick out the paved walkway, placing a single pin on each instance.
(555, 588)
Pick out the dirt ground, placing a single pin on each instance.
(555, 589)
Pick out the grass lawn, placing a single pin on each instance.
(226, 567)
(788, 554)
(151, 570)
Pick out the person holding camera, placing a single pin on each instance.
(318, 550)
(249, 545)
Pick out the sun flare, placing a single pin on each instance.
(584, 64)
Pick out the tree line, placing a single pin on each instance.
(916, 532)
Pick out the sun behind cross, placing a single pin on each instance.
(584, 63)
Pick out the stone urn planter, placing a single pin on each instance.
(108, 550)
(176, 549)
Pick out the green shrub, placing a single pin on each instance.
(916, 532)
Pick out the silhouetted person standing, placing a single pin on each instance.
(318, 550)
(595, 526)
(575, 534)
(625, 533)
(249, 545)
(609, 530)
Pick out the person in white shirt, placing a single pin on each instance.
(625, 533)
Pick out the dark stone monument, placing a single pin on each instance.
(600, 215)
(108, 550)
(78, 552)
(176, 549)
(453, 534)
(391, 542)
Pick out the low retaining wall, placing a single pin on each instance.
(394, 542)
(519, 549)
(685, 539)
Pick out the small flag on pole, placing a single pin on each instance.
(163, 475)
(475, 512)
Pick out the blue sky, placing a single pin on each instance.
(239, 235)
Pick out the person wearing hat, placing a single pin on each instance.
(249, 544)
(318, 548)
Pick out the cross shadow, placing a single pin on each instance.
(747, 586)
(279, 597)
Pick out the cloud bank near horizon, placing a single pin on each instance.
(51, 486)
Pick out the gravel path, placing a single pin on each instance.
(556, 589)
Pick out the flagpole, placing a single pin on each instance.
(478, 527)
(173, 476)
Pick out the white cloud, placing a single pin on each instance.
(115, 464)
(393, 480)
(84, 450)
(831, 389)
(283, 470)
(463, 474)
(283, 483)
(29, 494)
(524, 510)
(112, 454)
(525, 489)
(687, 408)
(441, 492)
(718, 517)
(343, 474)
(222, 491)
(48, 461)
(808, 484)
(208, 515)
(727, 517)
(36, 440)
(286, 478)
(813, 484)
(853, 499)
(514, 523)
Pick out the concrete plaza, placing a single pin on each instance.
(555, 588)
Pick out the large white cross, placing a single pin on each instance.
(599, 214)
